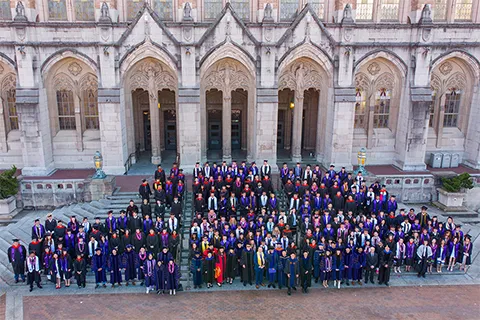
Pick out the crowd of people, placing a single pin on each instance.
(324, 226)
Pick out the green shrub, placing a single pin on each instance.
(8, 183)
(457, 183)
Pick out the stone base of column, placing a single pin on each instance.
(228, 159)
(410, 166)
(38, 171)
(472, 164)
(296, 158)
(97, 189)
(156, 160)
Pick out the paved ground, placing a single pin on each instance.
(2, 306)
(458, 302)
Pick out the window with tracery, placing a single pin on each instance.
(364, 11)
(90, 109)
(57, 10)
(164, 9)
(84, 10)
(133, 8)
(440, 10)
(288, 9)
(212, 9)
(432, 110)
(12, 116)
(382, 108)
(66, 110)
(360, 109)
(5, 10)
(452, 108)
(319, 7)
(389, 10)
(242, 8)
(463, 10)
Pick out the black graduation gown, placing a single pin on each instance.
(146, 209)
(138, 241)
(17, 256)
(384, 272)
(79, 265)
(153, 244)
(306, 271)
(247, 261)
(232, 264)
(209, 270)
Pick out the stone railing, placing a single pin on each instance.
(410, 188)
(51, 193)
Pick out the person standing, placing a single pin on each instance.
(145, 191)
(259, 263)
(98, 267)
(196, 269)
(272, 262)
(17, 254)
(337, 268)
(149, 272)
(371, 265)
(80, 268)
(247, 264)
(467, 253)
(209, 269)
(33, 270)
(173, 277)
(424, 253)
(292, 272)
(306, 271)
(386, 261)
(115, 267)
(220, 265)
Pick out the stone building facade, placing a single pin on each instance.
(324, 77)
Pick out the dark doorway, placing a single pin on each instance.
(147, 137)
(236, 129)
(170, 124)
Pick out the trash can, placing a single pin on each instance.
(446, 160)
(436, 160)
(455, 161)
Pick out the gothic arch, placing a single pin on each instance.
(150, 74)
(146, 50)
(468, 59)
(392, 57)
(228, 51)
(60, 55)
(7, 62)
(227, 75)
(300, 75)
(309, 52)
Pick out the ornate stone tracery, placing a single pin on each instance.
(227, 75)
(302, 75)
(8, 82)
(385, 81)
(153, 76)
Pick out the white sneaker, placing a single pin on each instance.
(174, 292)
(338, 284)
(170, 292)
(148, 290)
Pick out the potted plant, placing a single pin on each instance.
(8, 190)
(452, 192)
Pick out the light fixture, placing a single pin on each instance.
(98, 162)
(292, 103)
(187, 51)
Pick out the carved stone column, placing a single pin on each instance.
(227, 126)
(297, 127)
(155, 126)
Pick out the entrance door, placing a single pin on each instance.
(280, 135)
(147, 137)
(170, 125)
(236, 129)
(215, 135)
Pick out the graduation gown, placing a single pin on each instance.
(209, 270)
(129, 262)
(115, 267)
(386, 258)
(55, 269)
(247, 261)
(232, 264)
(196, 268)
(173, 276)
(153, 244)
(80, 267)
(99, 261)
(291, 269)
(17, 257)
(138, 241)
(221, 264)
(149, 272)
(306, 271)
(160, 276)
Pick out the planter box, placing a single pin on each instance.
(450, 199)
(8, 208)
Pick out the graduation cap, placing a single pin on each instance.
(72, 216)
(64, 249)
(98, 249)
(197, 252)
(69, 230)
(165, 248)
(128, 246)
(15, 240)
(37, 220)
(97, 218)
(467, 236)
(424, 208)
(33, 251)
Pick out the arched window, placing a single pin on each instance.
(381, 111)
(432, 109)
(90, 109)
(242, 8)
(288, 9)
(133, 7)
(319, 7)
(463, 10)
(360, 108)
(57, 10)
(66, 110)
(8, 102)
(452, 108)
(84, 10)
(389, 10)
(5, 10)
(12, 122)
(440, 10)
(364, 11)
(212, 9)
(164, 9)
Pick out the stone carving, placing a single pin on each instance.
(426, 17)
(187, 12)
(227, 76)
(8, 82)
(385, 81)
(436, 83)
(152, 76)
(267, 12)
(362, 81)
(302, 75)
(373, 68)
(347, 15)
(63, 82)
(1, 69)
(456, 81)
(445, 68)
(105, 14)
(89, 82)
(20, 12)
(74, 68)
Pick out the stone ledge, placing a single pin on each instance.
(108, 95)
(27, 95)
(421, 94)
(344, 94)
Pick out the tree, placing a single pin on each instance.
(457, 183)
(8, 183)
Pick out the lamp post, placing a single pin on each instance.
(361, 160)
(98, 162)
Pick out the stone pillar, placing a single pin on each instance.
(227, 126)
(79, 125)
(472, 141)
(189, 128)
(267, 119)
(297, 127)
(113, 130)
(410, 155)
(371, 113)
(155, 126)
(339, 151)
(441, 116)
(35, 133)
